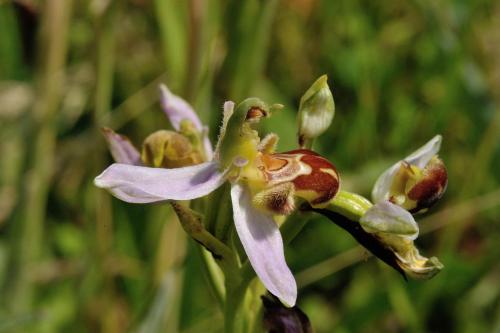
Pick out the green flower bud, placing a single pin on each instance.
(168, 149)
(316, 112)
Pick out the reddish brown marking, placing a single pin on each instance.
(255, 113)
(273, 163)
(280, 203)
(323, 183)
(432, 186)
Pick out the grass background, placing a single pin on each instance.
(73, 259)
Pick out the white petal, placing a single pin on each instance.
(121, 148)
(383, 184)
(138, 184)
(424, 154)
(177, 109)
(263, 245)
(207, 145)
(386, 217)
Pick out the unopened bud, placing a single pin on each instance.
(316, 112)
(168, 149)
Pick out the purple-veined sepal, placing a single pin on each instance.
(138, 184)
(122, 150)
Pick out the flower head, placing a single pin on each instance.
(263, 183)
(416, 182)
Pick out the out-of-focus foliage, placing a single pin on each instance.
(73, 259)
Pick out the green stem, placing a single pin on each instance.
(191, 223)
(28, 247)
(351, 205)
(235, 294)
(224, 220)
(213, 274)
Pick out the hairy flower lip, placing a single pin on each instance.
(324, 179)
(431, 187)
(299, 173)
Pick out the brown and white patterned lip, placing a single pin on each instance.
(308, 171)
(324, 179)
(431, 187)
(279, 168)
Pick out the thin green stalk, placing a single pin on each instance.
(105, 60)
(253, 26)
(171, 21)
(53, 49)
(351, 205)
(191, 222)
(196, 11)
(224, 220)
(213, 274)
(235, 294)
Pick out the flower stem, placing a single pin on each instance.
(213, 274)
(191, 223)
(350, 205)
(235, 294)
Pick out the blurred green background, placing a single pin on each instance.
(74, 259)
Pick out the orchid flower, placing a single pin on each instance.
(183, 118)
(263, 183)
(168, 149)
(416, 182)
(388, 227)
(409, 186)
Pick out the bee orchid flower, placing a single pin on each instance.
(416, 182)
(187, 145)
(263, 183)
